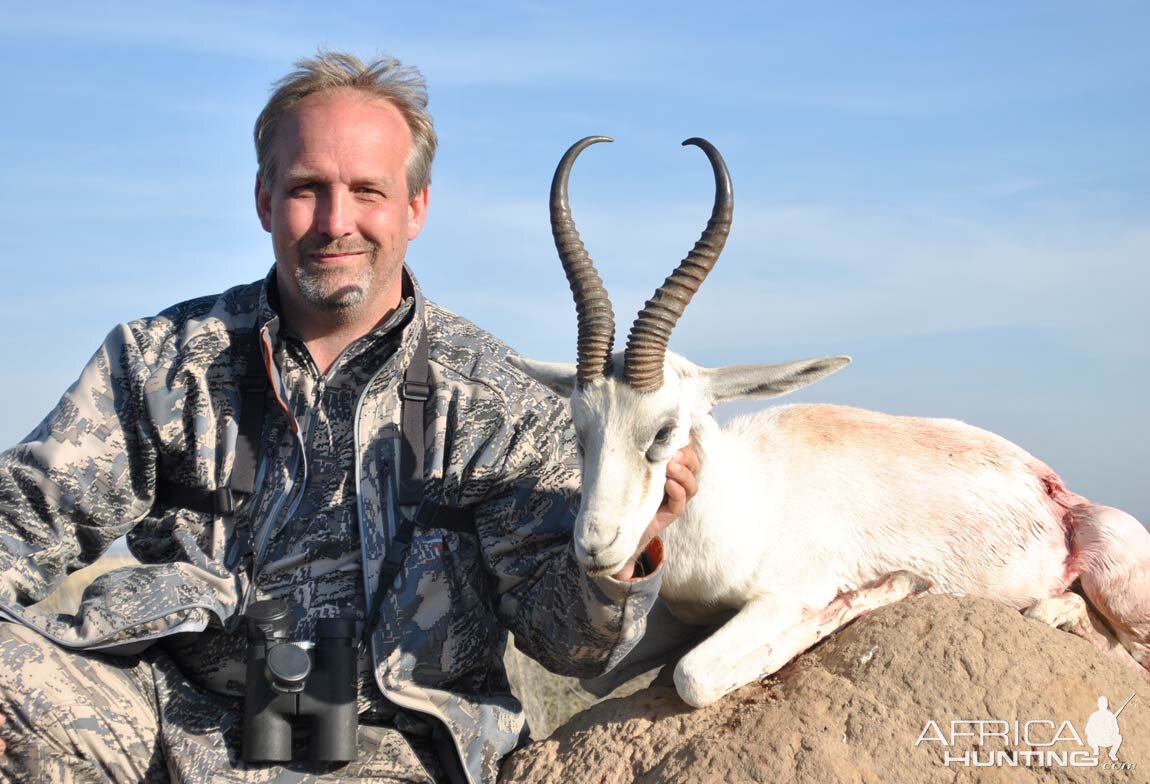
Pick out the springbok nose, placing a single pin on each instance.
(598, 546)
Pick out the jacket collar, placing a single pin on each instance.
(268, 324)
(410, 313)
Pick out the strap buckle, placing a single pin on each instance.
(224, 501)
(418, 391)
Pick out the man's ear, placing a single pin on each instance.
(559, 377)
(417, 212)
(751, 382)
(263, 204)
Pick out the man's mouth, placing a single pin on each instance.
(335, 256)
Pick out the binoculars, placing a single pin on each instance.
(290, 686)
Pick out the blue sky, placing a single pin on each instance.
(956, 194)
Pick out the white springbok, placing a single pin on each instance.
(809, 515)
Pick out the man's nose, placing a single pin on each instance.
(334, 214)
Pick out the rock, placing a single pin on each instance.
(879, 701)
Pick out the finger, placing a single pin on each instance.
(688, 458)
(683, 479)
(675, 494)
(674, 502)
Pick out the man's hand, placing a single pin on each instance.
(680, 488)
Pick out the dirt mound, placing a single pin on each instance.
(889, 698)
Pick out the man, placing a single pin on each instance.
(157, 440)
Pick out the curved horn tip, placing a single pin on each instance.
(711, 151)
(587, 141)
(563, 170)
(698, 141)
(722, 176)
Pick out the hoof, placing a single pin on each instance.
(913, 584)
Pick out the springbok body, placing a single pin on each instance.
(807, 516)
(841, 497)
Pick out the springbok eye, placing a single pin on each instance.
(660, 448)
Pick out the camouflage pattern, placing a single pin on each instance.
(312, 555)
(160, 399)
(87, 717)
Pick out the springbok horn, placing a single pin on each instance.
(596, 319)
(647, 342)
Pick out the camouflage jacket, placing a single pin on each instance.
(159, 402)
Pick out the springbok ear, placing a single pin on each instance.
(557, 376)
(750, 382)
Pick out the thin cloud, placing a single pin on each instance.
(208, 28)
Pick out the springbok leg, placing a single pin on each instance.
(1070, 613)
(1111, 551)
(762, 637)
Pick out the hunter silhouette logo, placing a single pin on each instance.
(987, 743)
(1102, 728)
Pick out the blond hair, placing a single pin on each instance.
(386, 77)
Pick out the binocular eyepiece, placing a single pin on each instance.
(289, 686)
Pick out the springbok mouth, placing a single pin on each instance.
(603, 571)
(591, 560)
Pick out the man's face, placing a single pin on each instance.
(338, 211)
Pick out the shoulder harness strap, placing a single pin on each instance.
(225, 500)
(414, 391)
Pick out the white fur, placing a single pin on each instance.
(805, 511)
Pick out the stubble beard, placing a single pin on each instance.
(340, 293)
(334, 291)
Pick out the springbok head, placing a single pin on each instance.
(634, 409)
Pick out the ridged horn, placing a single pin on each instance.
(596, 319)
(647, 341)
